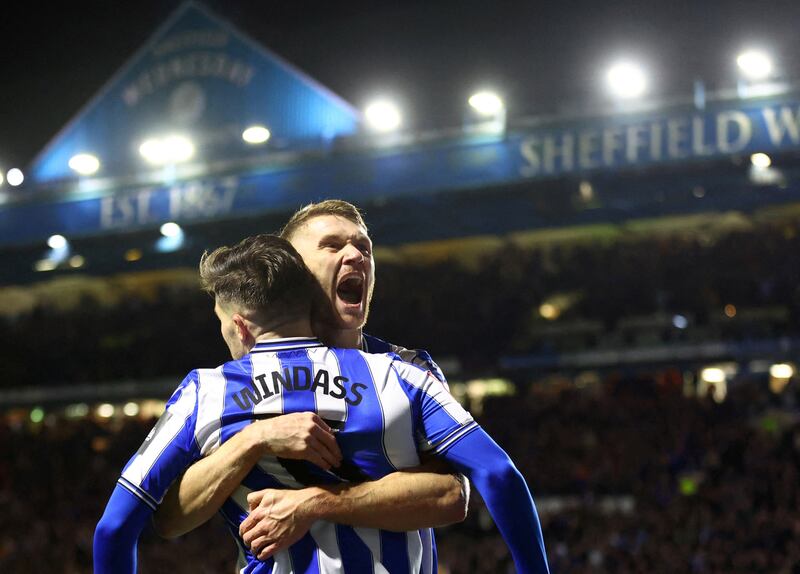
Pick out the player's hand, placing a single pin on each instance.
(300, 436)
(278, 519)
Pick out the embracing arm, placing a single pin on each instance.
(117, 533)
(405, 500)
(409, 499)
(506, 495)
(203, 488)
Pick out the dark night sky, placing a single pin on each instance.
(544, 56)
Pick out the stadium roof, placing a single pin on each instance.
(200, 77)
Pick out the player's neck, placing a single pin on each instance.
(301, 328)
(343, 338)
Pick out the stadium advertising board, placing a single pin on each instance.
(641, 140)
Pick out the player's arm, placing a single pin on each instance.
(450, 433)
(426, 496)
(506, 495)
(117, 534)
(410, 499)
(204, 487)
(423, 497)
(168, 448)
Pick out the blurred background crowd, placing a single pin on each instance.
(638, 468)
(630, 475)
(738, 286)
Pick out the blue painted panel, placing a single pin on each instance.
(200, 77)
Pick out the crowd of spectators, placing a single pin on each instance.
(711, 487)
(496, 302)
(706, 487)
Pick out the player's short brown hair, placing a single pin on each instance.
(263, 275)
(337, 207)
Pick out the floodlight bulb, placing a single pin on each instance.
(133, 254)
(760, 160)
(680, 322)
(256, 135)
(178, 148)
(626, 80)
(549, 311)
(167, 150)
(84, 163)
(383, 116)
(713, 375)
(171, 229)
(106, 410)
(15, 177)
(57, 242)
(781, 371)
(754, 64)
(131, 409)
(44, 265)
(486, 103)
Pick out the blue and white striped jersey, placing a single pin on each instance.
(418, 357)
(386, 412)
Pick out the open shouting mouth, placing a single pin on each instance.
(351, 289)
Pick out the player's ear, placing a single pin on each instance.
(243, 330)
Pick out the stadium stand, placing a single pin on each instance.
(615, 296)
(631, 474)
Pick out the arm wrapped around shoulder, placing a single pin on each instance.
(506, 495)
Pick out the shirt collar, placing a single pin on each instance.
(286, 344)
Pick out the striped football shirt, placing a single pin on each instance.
(386, 412)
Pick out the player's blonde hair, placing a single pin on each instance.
(337, 207)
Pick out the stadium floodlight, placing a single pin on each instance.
(486, 103)
(84, 163)
(680, 321)
(256, 135)
(781, 371)
(626, 80)
(131, 409)
(106, 410)
(549, 311)
(383, 116)
(760, 160)
(56, 241)
(45, 265)
(172, 240)
(167, 150)
(713, 375)
(754, 64)
(15, 177)
(133, 254)
(171, 229)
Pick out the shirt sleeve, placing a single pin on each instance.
(422, 359)
(440, 421)
(506, 495)
(168, 450)
(117, 534)
(419, 357)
